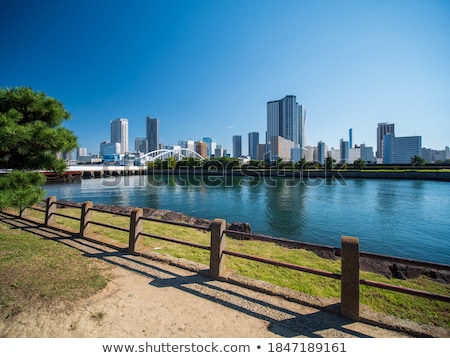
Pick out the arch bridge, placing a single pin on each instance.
(164, 154)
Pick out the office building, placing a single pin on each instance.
(253, 142)
(382, 130)
(280, 148)
(210, 146)
(219, 152)
(141, 145)
(367, 153)
(321, 152)
(187, 144)
(107, 148)
(301, 126)
(81, 152)
(152, 133)
(119, 133)
(237, 146)
(354, 154)
(344, 149)
(201, 148)
(350, 138)
(400, 150)
(286, 119)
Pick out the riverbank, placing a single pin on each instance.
(78, 172)
(337, 174)
(378, 264)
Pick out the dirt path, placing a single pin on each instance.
(148, 298)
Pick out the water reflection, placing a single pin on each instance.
(394, 217)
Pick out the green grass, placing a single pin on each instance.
(37, 272)
(420, 310)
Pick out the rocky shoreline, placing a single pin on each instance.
(383, 267)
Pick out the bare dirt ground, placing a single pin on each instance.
(151, 298)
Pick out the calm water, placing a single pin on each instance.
(392, 217)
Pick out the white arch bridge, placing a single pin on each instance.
(164, 154)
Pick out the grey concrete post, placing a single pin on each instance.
(135, 243)
(86, 215)
(50, 210)
(217, 258)
(350, 277)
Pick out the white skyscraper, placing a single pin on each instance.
(119, 133)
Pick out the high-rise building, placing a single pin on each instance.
(152, 131)
(219, 152)
(187, 144)
(344, 151)
(201, 148)
(141, 145)
(302, 126)
(367, 153)
(321, 152)
(81, 152)
(400, 150)
(286, 119)
(237, 146)
(382, 130)
(210, 146)
(350, 138)
(119, 133)
(253, 141)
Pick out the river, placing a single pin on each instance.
(406, 218)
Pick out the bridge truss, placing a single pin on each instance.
(164, 154)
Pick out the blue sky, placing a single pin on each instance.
(208, 68)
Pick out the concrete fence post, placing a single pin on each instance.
(85, 219)
(135, 243)
(218, 240)
(350, 277)
(50, 211)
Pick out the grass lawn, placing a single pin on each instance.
(38, 272)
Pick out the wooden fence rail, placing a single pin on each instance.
(349, 252)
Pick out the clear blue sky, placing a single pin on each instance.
(208, 68)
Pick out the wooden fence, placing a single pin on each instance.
(349, 252)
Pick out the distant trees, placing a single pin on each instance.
(329, 162)
(359, 163)
(417, 161)
(31, 136)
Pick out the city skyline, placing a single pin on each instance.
(207, 69)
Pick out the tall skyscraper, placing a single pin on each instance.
(237, 146)
(119, 133)
(350, 138)
(253, 141)
(321, 152)
(302, 126)
(344, 151)
(286, 119)
(152, 131)
(382, 130)
(210, 146)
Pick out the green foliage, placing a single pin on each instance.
(359, 163)
(20, 189)
(31, 136)
(417, 161)
(329, 162)
(31, 132)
